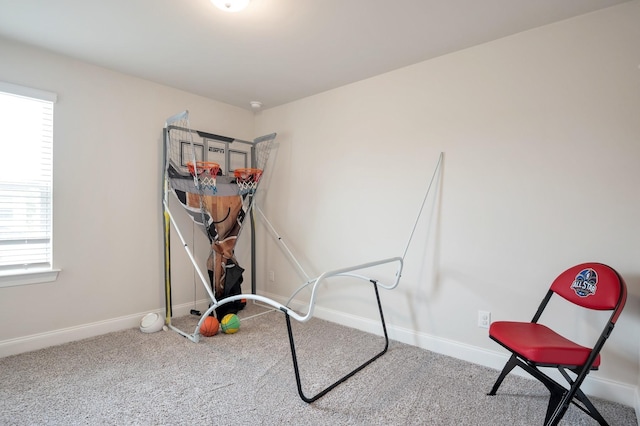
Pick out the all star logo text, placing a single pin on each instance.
(585, 283)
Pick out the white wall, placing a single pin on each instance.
(540, 135)
(107, 198)
(541, 139)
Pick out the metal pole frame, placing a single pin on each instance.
(329, 388)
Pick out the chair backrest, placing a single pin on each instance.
(593, 286)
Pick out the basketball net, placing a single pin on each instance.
(205, 172)
(247, 179)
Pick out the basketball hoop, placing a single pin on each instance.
(203, 167)
(247, 179)
(206, 173)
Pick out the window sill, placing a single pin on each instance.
(28, 277)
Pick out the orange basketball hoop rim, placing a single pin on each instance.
(248, 174)
(247, 179)
(202, 167)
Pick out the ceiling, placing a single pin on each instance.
(275, 51)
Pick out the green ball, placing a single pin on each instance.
(230, 323)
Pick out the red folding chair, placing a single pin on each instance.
(534, 346)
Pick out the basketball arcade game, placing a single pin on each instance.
(214, 179)
(219, 200)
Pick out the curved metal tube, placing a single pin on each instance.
(316, 283)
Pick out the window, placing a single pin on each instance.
(26, 147)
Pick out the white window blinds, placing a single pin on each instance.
(26, 147)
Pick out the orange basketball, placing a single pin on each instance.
(209, 327)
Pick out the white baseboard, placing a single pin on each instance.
(593, 386)
(64, 335)
(601, 388)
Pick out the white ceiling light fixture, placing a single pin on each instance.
(231, 5)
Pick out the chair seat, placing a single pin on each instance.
(540, 344)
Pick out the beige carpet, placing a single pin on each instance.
(247, 378)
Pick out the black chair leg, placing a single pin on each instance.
(330, 387)
(556, 407)
(560, 397)
(576, 394)
(559, 404)
(590, 408)
(510, 365)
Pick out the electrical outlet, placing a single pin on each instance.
(272, 276)
(484, 319)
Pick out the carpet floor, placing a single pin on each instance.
(247, 378)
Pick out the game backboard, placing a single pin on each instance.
(229, 153)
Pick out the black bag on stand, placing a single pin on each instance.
(232, 287)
